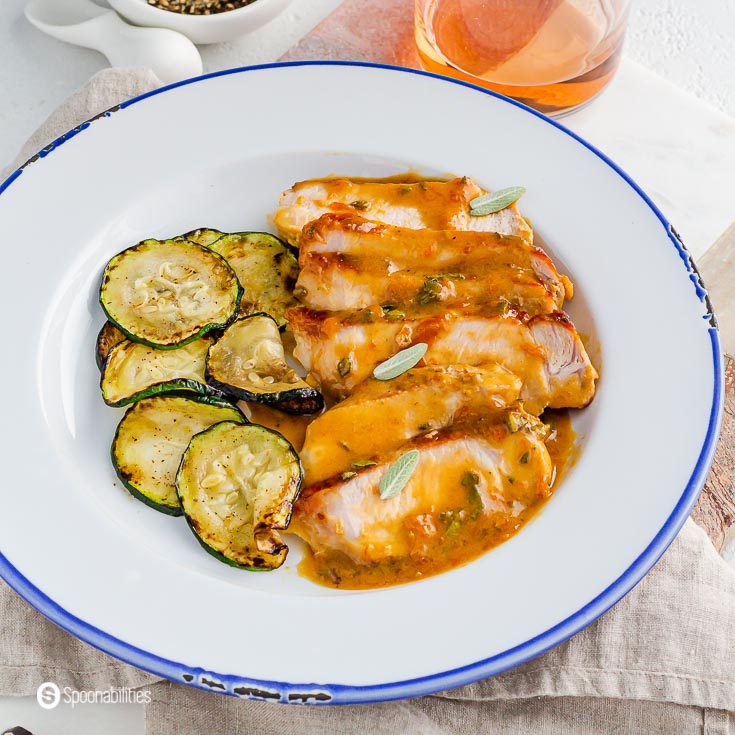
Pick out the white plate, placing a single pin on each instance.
(216, 152)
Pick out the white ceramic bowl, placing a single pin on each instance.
(136, 584)
(203, 28)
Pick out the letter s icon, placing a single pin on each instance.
(48, 695)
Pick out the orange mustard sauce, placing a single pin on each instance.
(450, 550)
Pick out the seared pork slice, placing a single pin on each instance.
(348, 262)
(383, 415)
(485, 473)
(545, 352)
(436, 205)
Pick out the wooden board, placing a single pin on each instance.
(715, 509)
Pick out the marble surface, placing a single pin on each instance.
(680, 150)
(688, 42)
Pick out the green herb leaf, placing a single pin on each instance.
(344, 367)
(400, 362)
(398, 474)
(363, 463)
(348, 475)
(500, 199)
(515, 421)
(394, 314)
(430, 291)
(524, 458)
(471, 481)
(360, 204)
(453, 527)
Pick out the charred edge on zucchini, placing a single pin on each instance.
(266, 268)
(201, 236)
(237, 485)
(248, 362)
(168, 293)
(108, 337)
(151, 439)
(133, 371)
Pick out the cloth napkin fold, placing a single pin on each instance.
(661, 661)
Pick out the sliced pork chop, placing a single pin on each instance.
(485, 473)
(436, 205)
(348, 262)
(383, 415)
(545, 352)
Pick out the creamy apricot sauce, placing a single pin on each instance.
(291, 427)
(454, 544)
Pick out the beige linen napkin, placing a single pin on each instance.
(661, 661)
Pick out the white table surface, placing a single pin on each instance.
(686, 41)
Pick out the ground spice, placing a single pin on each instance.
(199, 7)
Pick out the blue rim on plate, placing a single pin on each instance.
(318, 693)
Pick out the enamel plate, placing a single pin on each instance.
(216, 152)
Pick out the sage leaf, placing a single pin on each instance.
(398, 474)
(500, 199)
(400, 362)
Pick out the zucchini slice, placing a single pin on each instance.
(108, 337)
(167, 293)
(248, 362)
(133, 371)
(237, 485)
(202, 236)
(152, 436)
(266, 268)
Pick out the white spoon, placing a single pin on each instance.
(169, 54)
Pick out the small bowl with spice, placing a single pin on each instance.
(203, 21)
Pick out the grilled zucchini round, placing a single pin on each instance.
(248, 362)
(167, 293)
(108, 337)
(152, 436)
(237, 485)
(267, 271)
(133, 371)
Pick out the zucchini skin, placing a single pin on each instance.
(191, 338)
(125, 479)
(222, 557)
(108, 337)
(297, 402)
(193, 526)
(201, 333)
(178, 385)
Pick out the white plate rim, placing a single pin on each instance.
(311, 693)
